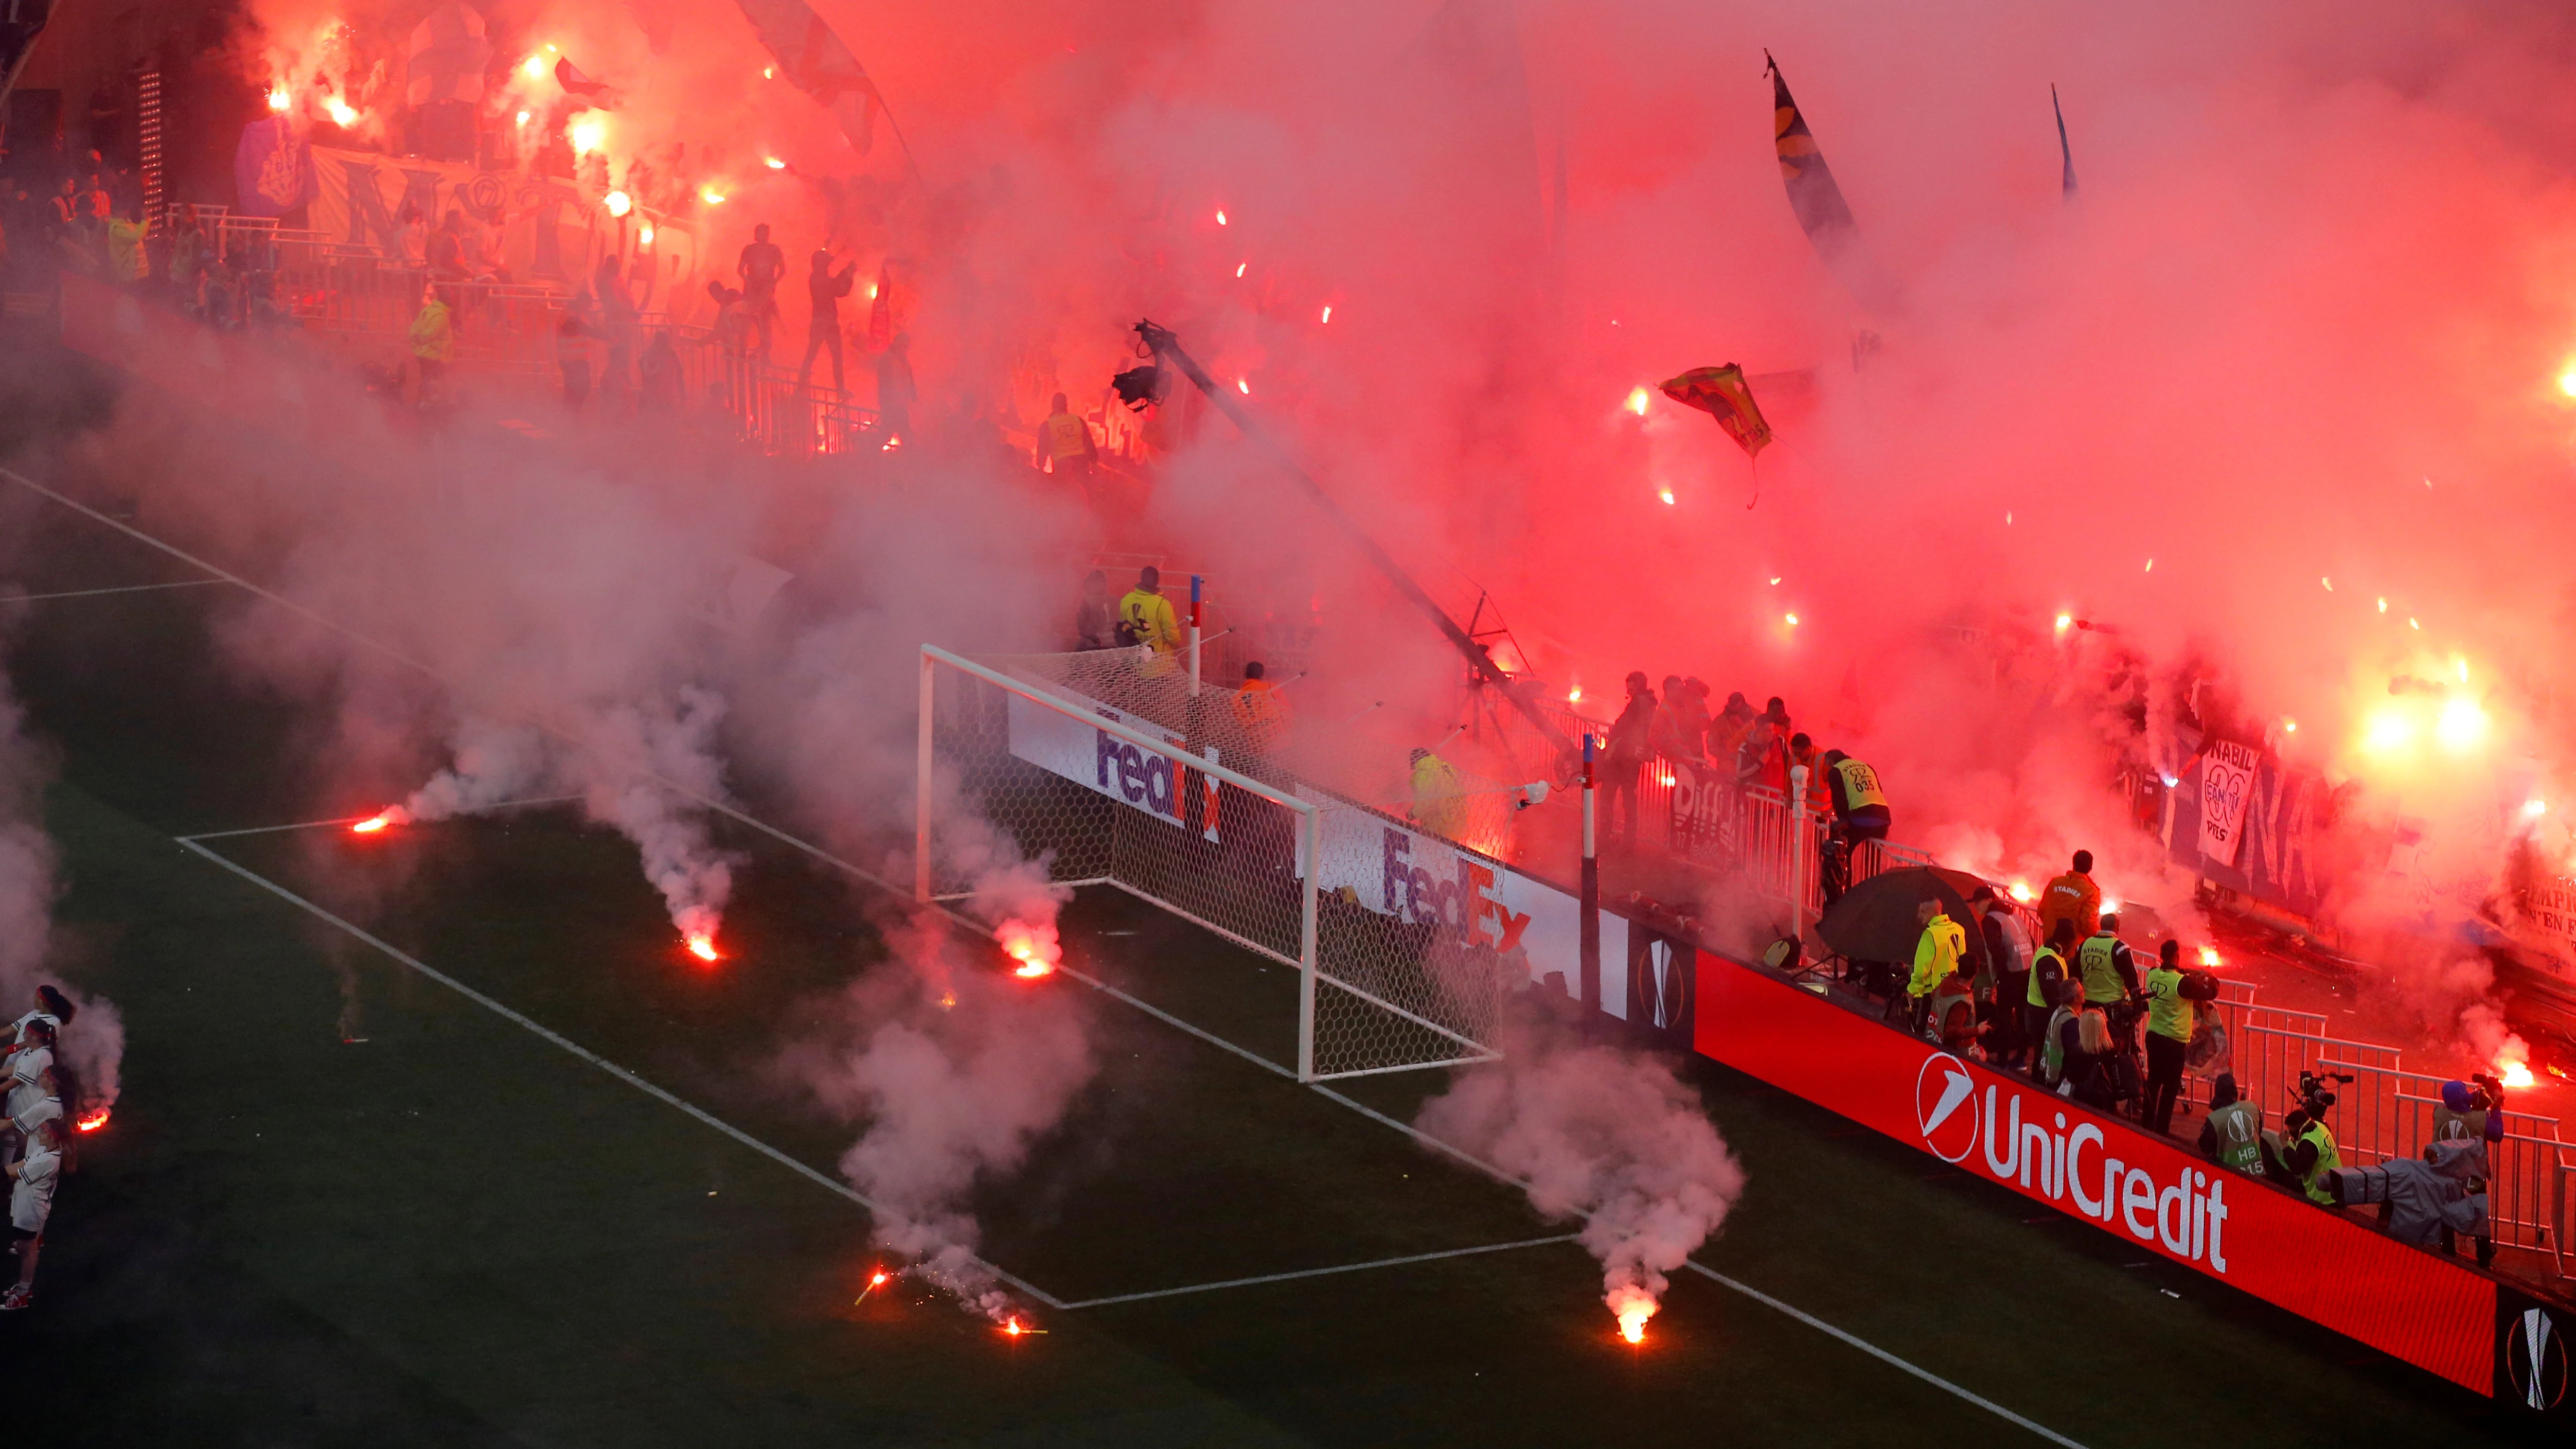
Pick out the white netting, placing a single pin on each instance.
(1403, 975)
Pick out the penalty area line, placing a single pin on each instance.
(119, 589)
(1320, 1272)
(586, 1054)
(1723, 1281)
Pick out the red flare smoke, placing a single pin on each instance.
(1034, 947)
(703, 946)
(390, 815)
(1633, 1306)
(96, 1117)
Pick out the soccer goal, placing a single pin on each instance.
(1177, 799)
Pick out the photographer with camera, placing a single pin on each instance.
(2307, 1144)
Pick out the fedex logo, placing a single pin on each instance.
(1464, 903)
(1135, 776)
(2186, 1216)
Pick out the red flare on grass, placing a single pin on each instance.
(91, 1121)
(1633, 1307)
(703, 947)
(390, 815)
(1034, 947)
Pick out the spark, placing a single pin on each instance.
(1239, 269)
(2411, 624)
(2383, 606)
(2329, 583)
(2289, 726)
(2462, 666)
(1015, 1328)
(774, 164)
(534, 65)
(1665, 494)
(1328, 313)
(1792, 618)
(1220, 218)
(1775, 583)
(2514, 1074)
(2209, 956)
(1638, 397)
(1243, 385)
(278, 98)
(2151, 566)
(2007, 518)
(618, 203)
(2065, 622)
(91, 1120)
(342, 113)
(769, 72)
(710, 196)
(702, 946)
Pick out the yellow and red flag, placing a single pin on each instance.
(1818, 201)
(1722, 393)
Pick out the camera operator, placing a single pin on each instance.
(2471, 1114)
(2307, 1144)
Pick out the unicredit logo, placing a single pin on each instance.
(1945, 1107)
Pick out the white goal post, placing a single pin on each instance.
(1149, 801)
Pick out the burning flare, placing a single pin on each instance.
(2512, 1074)
(278, 98)
(390, 815)
(618, 203)
(1633, 1306)
(1033, 946)
(96, 1117)
(342, 113)
(703, 946)
(2209, 956)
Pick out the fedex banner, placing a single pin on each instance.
(1072, 748)
(2318, 1264)
(1401, 872)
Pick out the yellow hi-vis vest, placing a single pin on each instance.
(2045, 953)
(2096, 959)
(1066, 435)
(1859, 785)
(2327, 1161)
(2168, 1014)
(1936, 955)
(1149, 615)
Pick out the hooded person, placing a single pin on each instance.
(2232, 1134)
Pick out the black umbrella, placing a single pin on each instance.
(1874, 920)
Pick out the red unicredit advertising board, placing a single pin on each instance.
(2162, 1196)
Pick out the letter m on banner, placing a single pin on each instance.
(369, 221)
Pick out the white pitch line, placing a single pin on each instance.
(1756, 1294)
(120, 589)
(1319, 1272)
(354, 819)
(587, 1055)
(874, 879)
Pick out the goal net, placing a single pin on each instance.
(1108, 771)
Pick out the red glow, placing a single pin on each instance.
(703, 946)
(1013, 1328)
(2514, 1074)
(96, 1118)
(390, 815)
(1033, 946)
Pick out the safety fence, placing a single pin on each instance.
(1753, 838)
(344, 294)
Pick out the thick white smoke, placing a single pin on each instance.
(92, 1043)
(1610, 1134)
(494, 763)
(957, 1072)
(623, 763)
